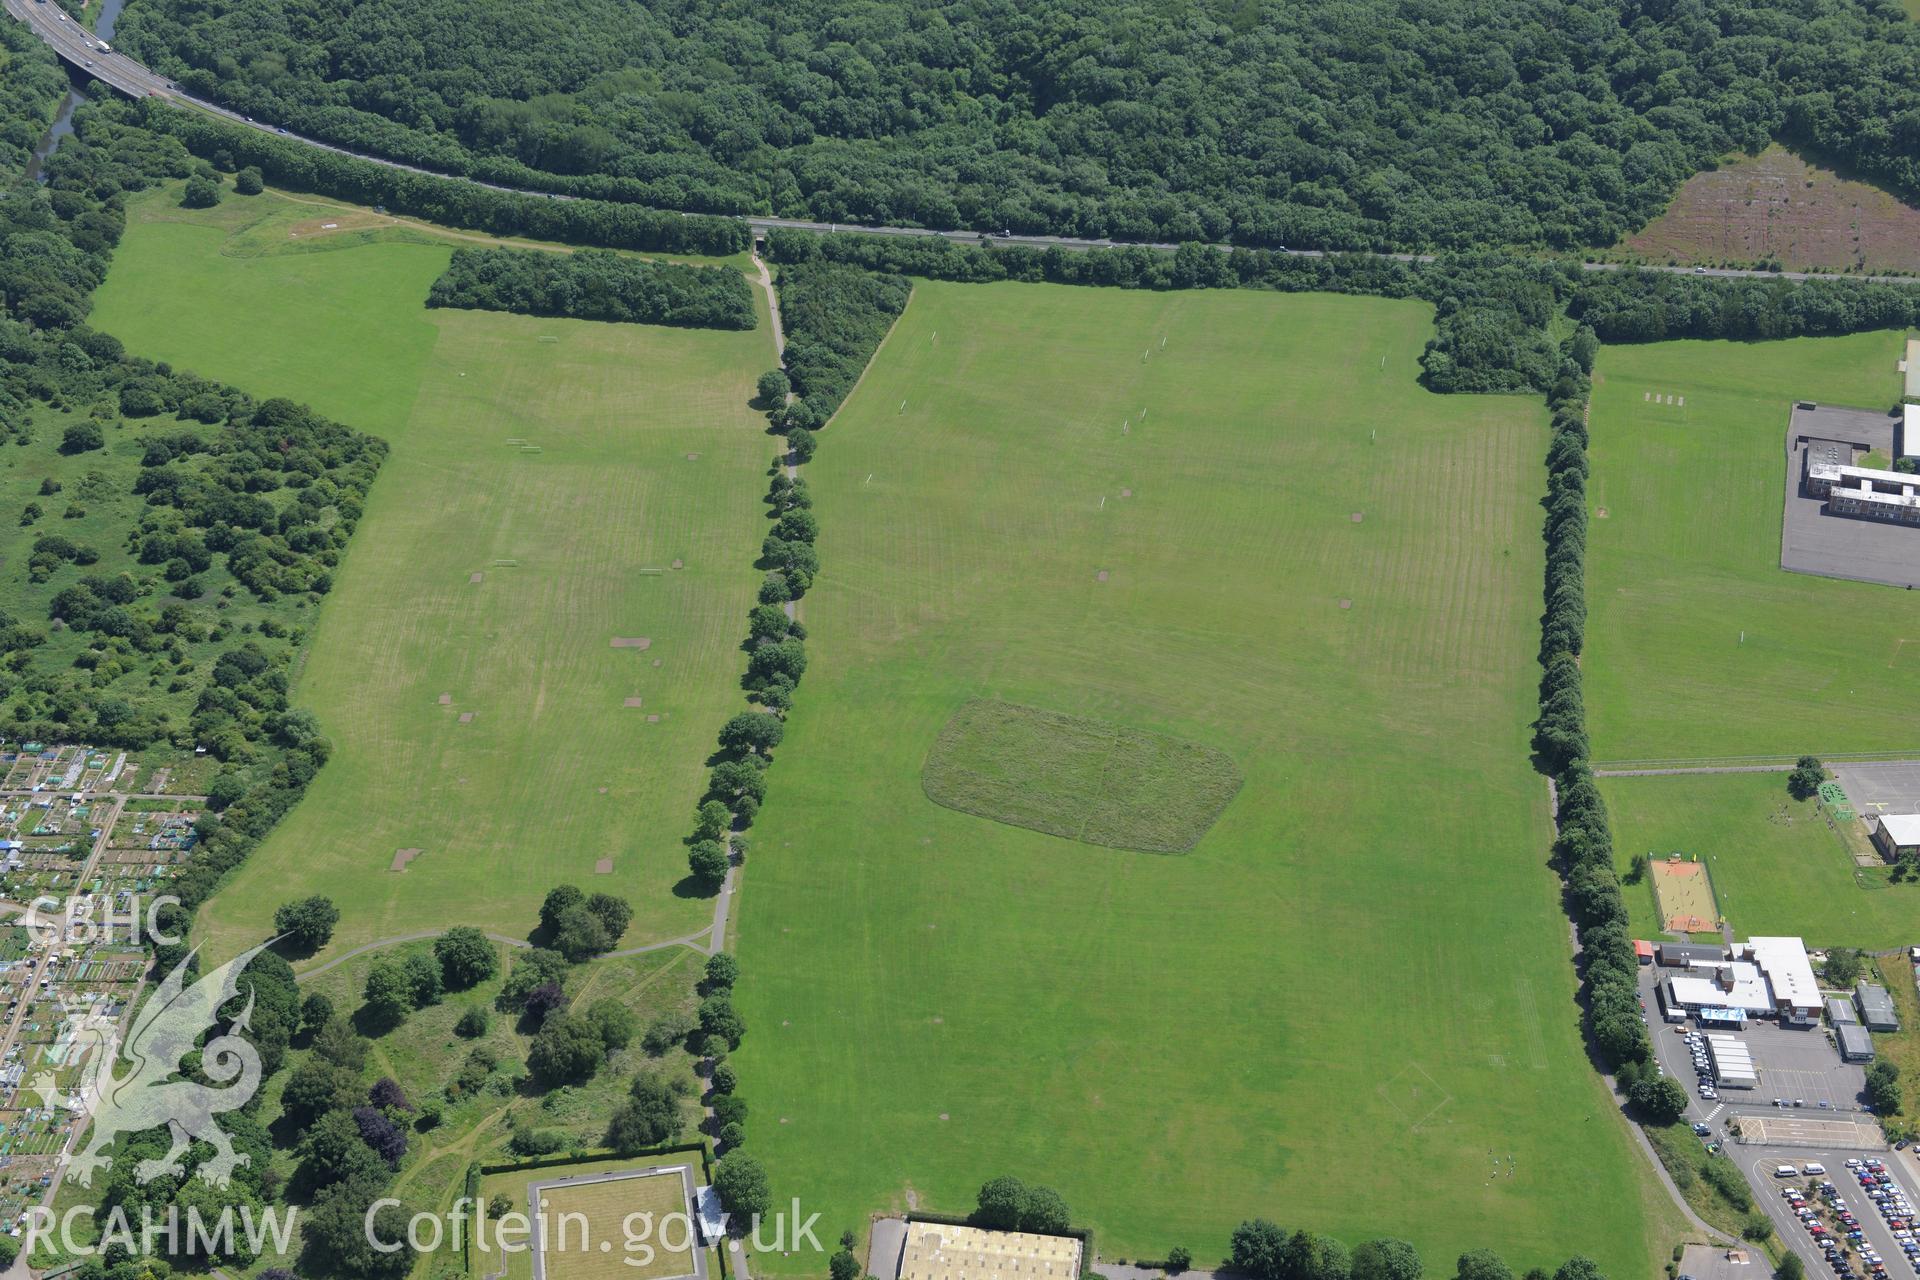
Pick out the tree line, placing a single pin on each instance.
(1262, 1250)
(1583, 847)
(447, 201)
(1651, 306)
(1332, 124)
(595, 284)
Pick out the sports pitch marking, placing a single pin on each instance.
(1685, 896)
(1809, 1131)
(599, 1257)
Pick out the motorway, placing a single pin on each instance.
(80, 49)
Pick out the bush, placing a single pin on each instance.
(249, 181)
(308, 923)
(1883, 1088)
(666, 1031)
(202, 192)
(466, 957)
(707, 863)
(473, 1024)
(1804, 782)
(741, 1184)
(81, 437)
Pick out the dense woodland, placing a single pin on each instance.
(1330, 123)
(594, 284)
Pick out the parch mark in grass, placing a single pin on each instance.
(1087, 780)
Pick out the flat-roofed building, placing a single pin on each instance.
(1854, 1042)
(1897, 836)
(1876, 1007)
(1840, 1013)
(937, 1251)
(1724, 986)
(1678, 955)
(1789, 974)
(1912, 366)
(1864, 492)
(1732, 1062)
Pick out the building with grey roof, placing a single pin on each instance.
(1876, 1007)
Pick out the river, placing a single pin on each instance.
(63, 122)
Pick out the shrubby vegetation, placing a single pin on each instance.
(594, 284)
(31, 83)
(1358, 124)
(1262, 1250)
(1008, 1204)
(1652, 306)
(245, 497)
(307, 924)
(298, 167)
(835, 318)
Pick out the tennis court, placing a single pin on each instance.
(1685, 895)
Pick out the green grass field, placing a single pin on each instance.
(1079, 778)
(579, 1219)
(1348, 999)
(1687, 559)
(647, 455)
(1777, 867)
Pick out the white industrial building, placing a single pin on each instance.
(1732, 1063)
(1796, 993)
(1727, 985)
(1764, 977)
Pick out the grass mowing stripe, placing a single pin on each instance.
(1698, 643)
(648, 454)
(1179, 1043)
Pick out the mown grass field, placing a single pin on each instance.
(1354, 993)
(647, 455)
(1686, 561)
(1777, 867)
(1084, 779)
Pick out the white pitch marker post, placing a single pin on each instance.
(903, 407)
(1103, 502)
(868, 480)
